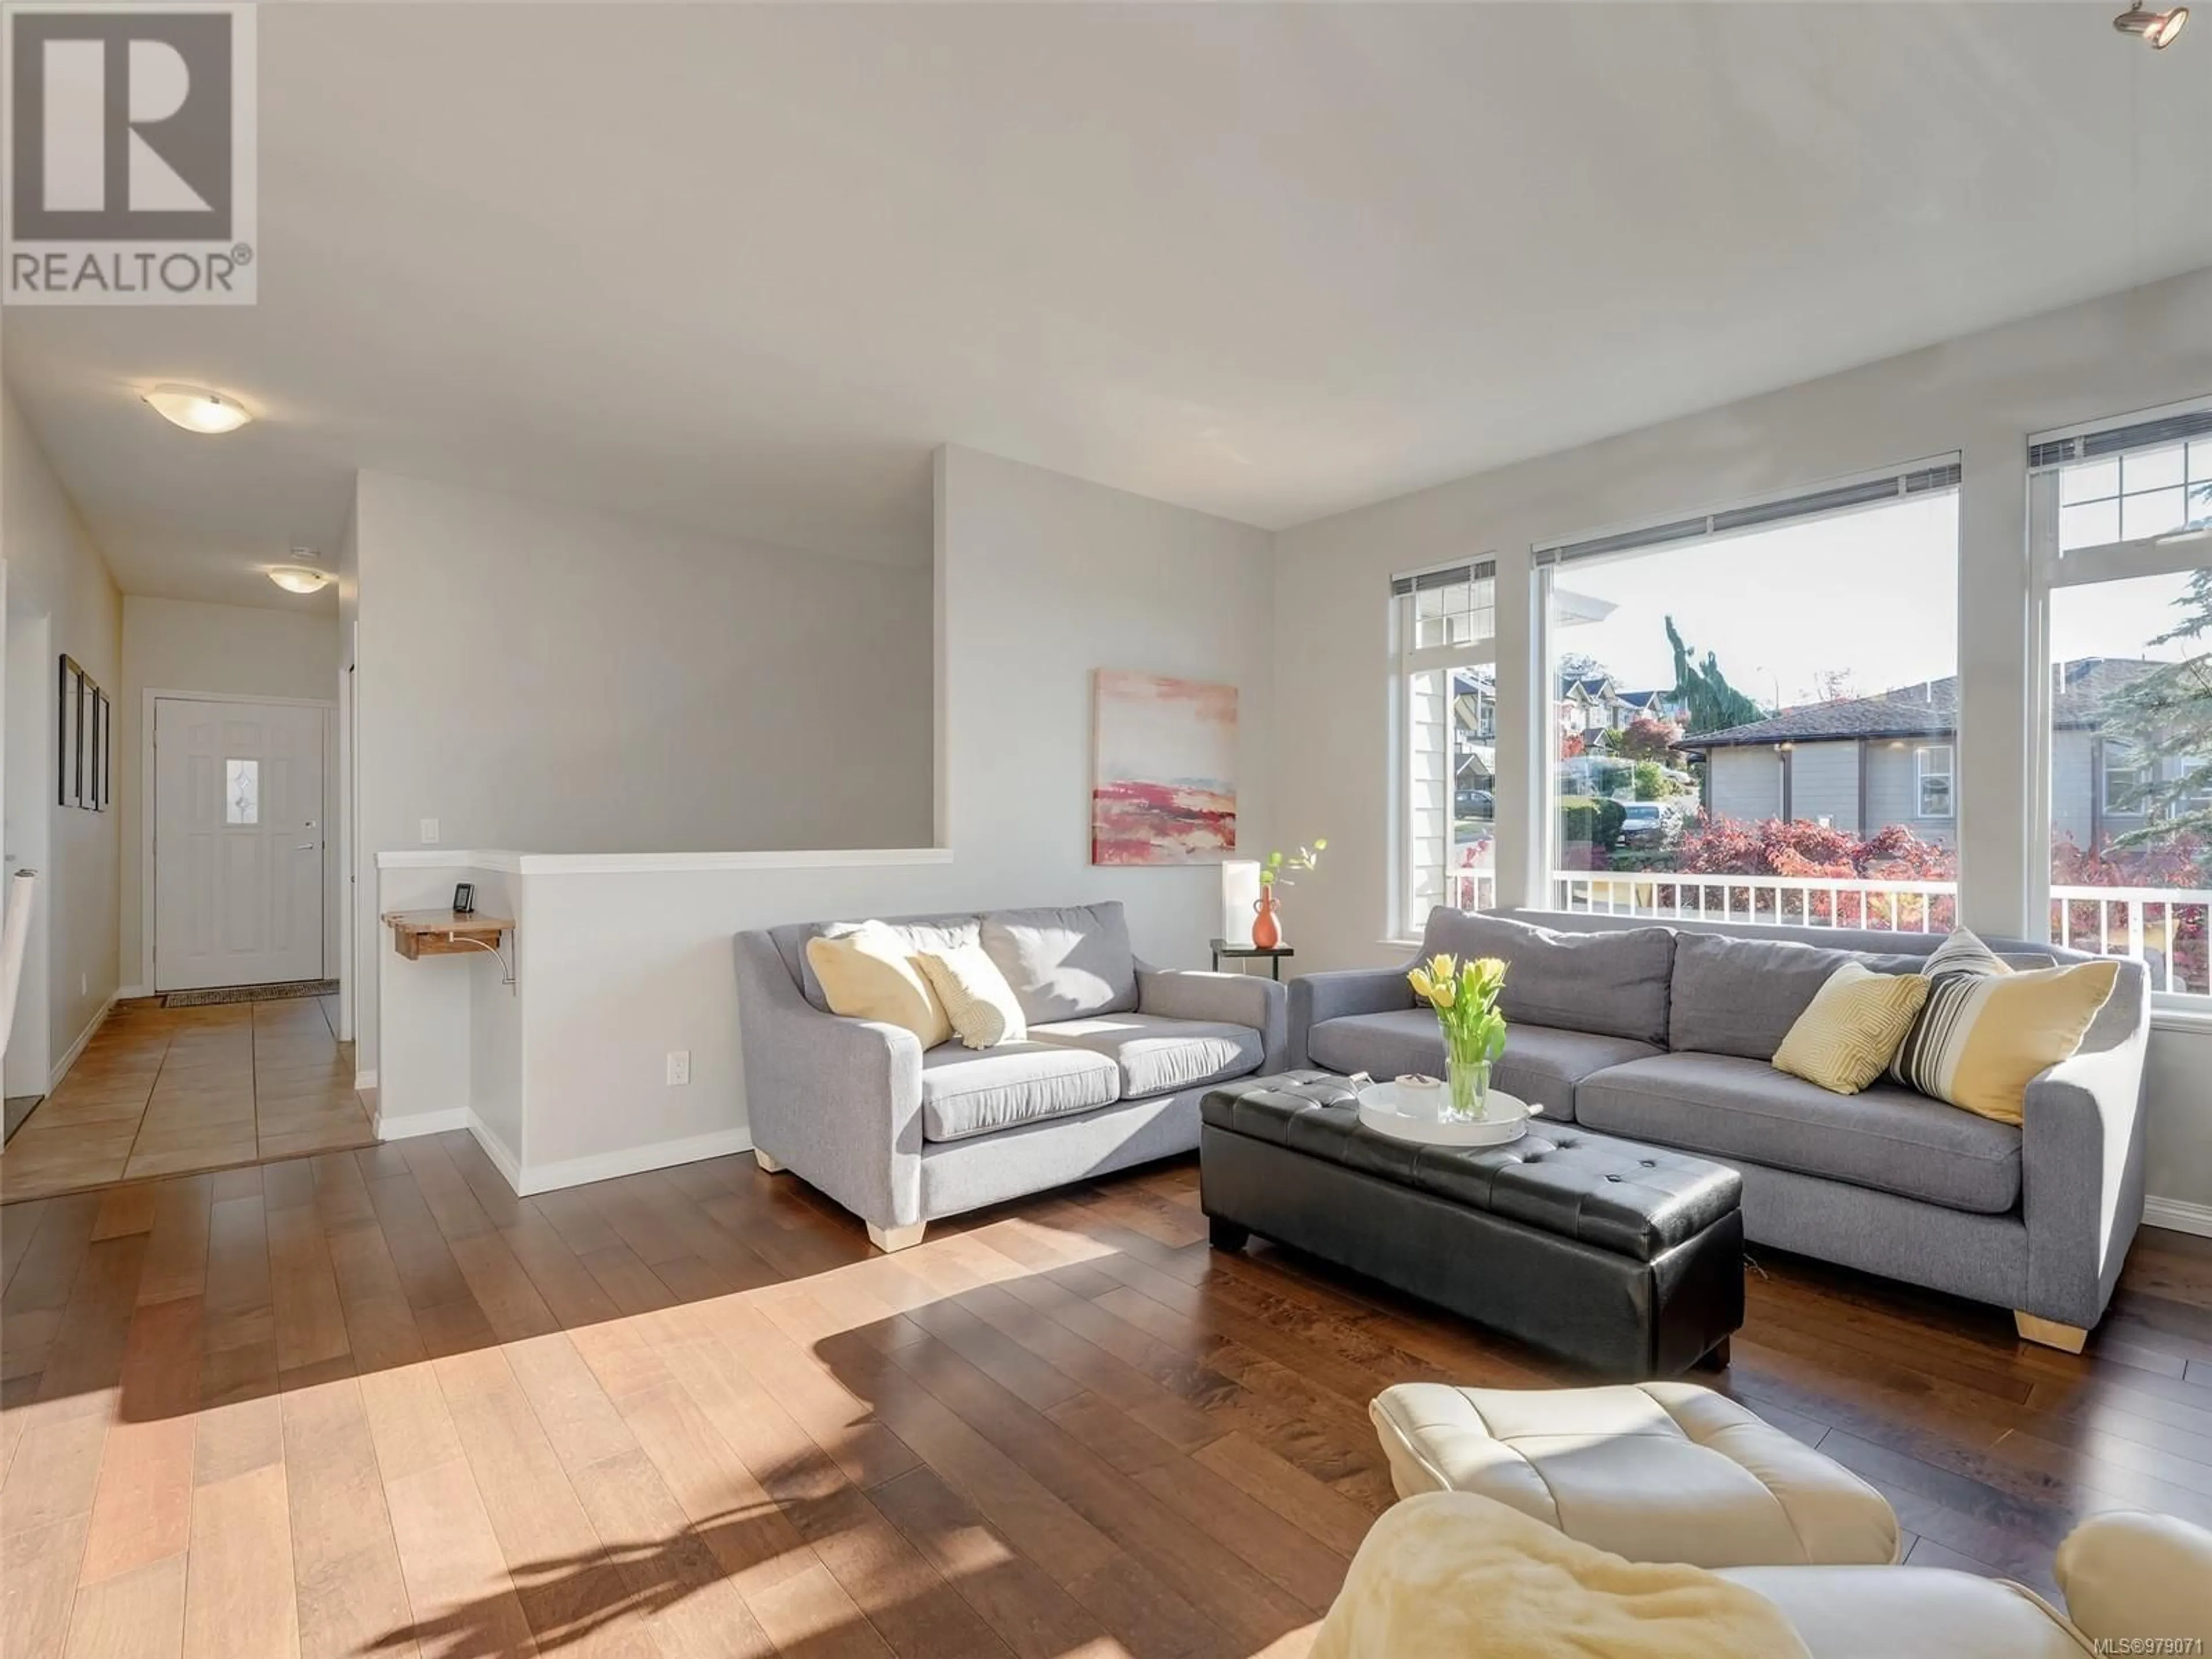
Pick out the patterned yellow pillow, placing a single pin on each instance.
(977, 999)
(867, 975)
(1985, 1036)
(1845, 1036)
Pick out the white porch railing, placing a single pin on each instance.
(2165, 928)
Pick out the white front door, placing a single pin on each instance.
(238, 843)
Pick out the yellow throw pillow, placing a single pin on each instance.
(1845, 1036)
(867, 975)
(1982, 1037)
(982, 1005)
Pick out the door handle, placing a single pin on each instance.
(305, 847)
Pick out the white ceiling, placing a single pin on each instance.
(742, 267)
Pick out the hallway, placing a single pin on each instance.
(162, 1092)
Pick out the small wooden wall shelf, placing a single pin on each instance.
(443, 933)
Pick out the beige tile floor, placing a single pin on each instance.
(161, 1092)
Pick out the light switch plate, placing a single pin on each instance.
(429, 832)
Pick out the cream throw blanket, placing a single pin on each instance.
(1450, 1575)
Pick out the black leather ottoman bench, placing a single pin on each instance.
(1623, 1258)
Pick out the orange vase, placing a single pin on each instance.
(1266, 932)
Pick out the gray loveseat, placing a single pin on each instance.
(1665, 1034)
(1118, 1055)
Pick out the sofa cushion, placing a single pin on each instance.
(1887, 1138)
(1541, 1063)
(1740, 996)
(1065, 964)
(1156, 1056)
(967, 1092)
(1612, 983)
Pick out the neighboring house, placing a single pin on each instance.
(1595, 703)
(1862, 762)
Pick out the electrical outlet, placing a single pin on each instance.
(429, 832)
(679, 1067)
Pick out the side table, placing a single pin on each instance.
(1223, 950)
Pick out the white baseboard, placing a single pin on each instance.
(502, 1156)
(632, 1160)
(62, 1066)
(2176, 1216)
(365, 1079)
(133, 993)
(423, 1123)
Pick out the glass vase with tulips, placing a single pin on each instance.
(1465, 997)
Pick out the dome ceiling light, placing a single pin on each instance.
(195, 409)
(299, 578)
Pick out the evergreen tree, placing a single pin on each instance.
(1710, 703)
(2168, 713)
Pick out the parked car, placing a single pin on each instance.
(1471, 803)
(1647, 824)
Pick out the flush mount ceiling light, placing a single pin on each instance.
(195, 409)
(299, 578)
(2159, 29)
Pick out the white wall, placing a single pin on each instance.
(177, 645)
(1980, 395)
(61, 598)
(565, 680)
(1043, 578)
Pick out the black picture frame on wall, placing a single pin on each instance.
(69, 736)
(84, 739)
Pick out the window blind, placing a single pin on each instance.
(1812, 504)
(1450, 576)
(2113, 440)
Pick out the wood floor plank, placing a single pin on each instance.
(461, 1597)
(139, 1614)
(239, 1598)
(142, 1508)
(351, 1593)
(38, 1569)
(311, 1324)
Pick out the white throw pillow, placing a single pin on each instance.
(982, 1005)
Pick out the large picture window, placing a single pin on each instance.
(1756, 711)
(1444, 627)
(2122, 519)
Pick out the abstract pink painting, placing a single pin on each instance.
(1165, 788)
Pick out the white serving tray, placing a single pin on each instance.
(1383, 1107)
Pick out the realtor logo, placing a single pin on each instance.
(129, 154)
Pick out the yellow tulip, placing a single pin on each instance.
(1423, 986)
(1447, 993)
(1441, 967)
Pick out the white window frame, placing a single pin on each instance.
(1922, 772)
(1406, 661)
(2083, 567)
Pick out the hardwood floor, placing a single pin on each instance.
(163, 1091)
(371, 1403)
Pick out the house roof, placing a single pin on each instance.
(1929, 709)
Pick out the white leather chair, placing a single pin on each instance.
(1651, 1471)
(2134, 1583)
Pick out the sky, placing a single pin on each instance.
(1873, 593)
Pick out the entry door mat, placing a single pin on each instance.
(19, 1108)
(297, 987)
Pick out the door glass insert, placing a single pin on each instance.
(241, 792)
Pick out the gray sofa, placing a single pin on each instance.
(1665, 1034)
(1118, 1055)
